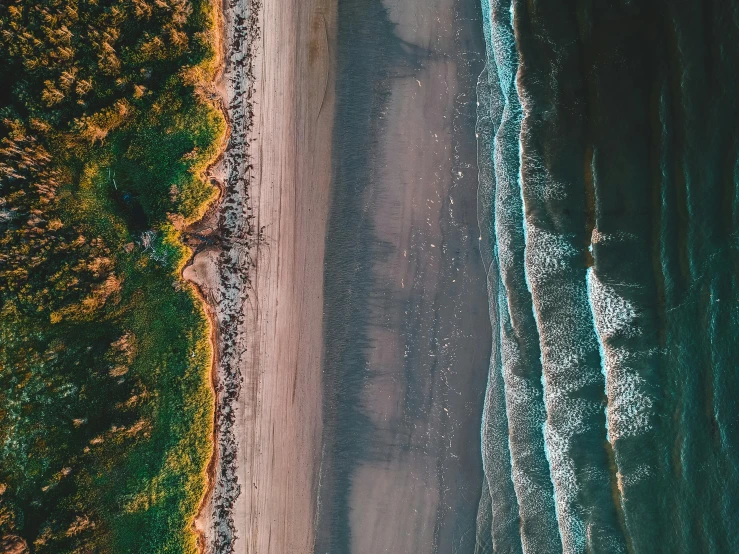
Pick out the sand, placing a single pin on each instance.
(429, 331)
(261, 268)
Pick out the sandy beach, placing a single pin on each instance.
(417, 343)
(421, 495)
(262, 271)
(280, 482)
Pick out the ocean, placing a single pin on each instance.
(608, 184)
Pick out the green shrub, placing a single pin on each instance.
(105, 405)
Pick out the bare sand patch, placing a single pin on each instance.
(262, 272)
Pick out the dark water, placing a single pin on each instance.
(609, 164)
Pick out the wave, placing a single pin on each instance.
(608, 215)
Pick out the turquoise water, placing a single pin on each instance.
(608, 185)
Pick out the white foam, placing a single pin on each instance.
(630, 407)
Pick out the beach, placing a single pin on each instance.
(262, 272)
(407, 328)
(344, 271)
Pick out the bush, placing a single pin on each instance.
(105, 406)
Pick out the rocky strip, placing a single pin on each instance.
(225, 241)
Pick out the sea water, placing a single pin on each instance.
(608, 153)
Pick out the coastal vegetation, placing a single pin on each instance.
(105, 409)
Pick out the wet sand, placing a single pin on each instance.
(415, 482)
(431, 354)
(263, 273)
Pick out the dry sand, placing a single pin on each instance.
(261, 268)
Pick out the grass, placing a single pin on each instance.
(106, 409)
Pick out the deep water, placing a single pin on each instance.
(609, 169)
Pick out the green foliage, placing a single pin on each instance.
(105, 409)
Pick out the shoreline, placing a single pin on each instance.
(408, 329)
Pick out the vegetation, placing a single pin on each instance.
(105, 409)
